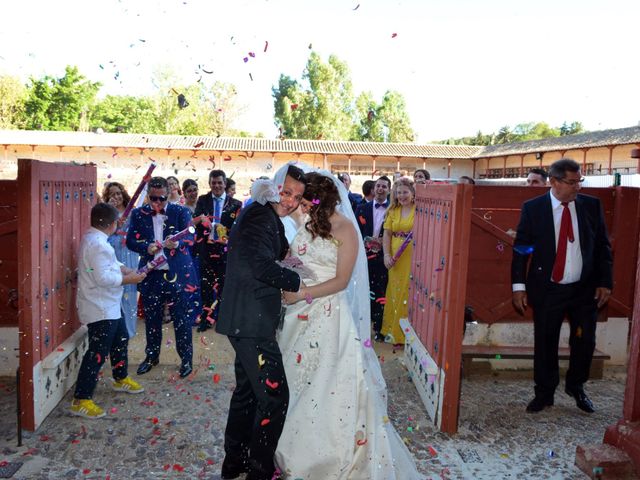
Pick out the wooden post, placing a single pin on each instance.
(473, 175)
(584, 160)
(504, 167)
(349, 165)
(625, 435)
(424, 163)
(397, 164)
(610, 169)
(325, 165)
(373, 166)
(522, 165)
(449, 168)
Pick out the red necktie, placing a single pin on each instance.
(566, 233)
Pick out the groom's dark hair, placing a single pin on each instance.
(297, 174)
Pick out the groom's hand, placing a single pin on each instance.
(291, 297)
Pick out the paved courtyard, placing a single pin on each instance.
(175, 429)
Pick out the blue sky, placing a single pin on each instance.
(461, 65)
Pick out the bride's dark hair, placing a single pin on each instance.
(323, 194)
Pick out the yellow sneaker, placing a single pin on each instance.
(86, 409)
(128, 385)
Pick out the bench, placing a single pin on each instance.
(497, 352)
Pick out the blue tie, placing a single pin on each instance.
(378, 205)
(216, 216)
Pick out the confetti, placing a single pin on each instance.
(298, 358)
(216, 378)
(264, 422)
(394, 35)
(381, 300)
(261, 360)
(266, 45)
(172, 280)
(523, 249)
(272, 385)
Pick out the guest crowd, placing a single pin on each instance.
(186, 235)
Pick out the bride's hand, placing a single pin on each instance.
(388, 261)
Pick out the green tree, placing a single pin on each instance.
(12, 97)
(60, 103)
(369, 126)
(125, 114)
(323, 108)
(571, 129)
(394, 116)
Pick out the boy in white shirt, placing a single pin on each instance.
(100, 280)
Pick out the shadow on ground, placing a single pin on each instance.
(175, 429)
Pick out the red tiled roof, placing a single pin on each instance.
(235, 144)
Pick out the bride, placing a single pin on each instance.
(337, 425)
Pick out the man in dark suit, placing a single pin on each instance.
(370, 220)
(174, 282)
(217, 212)
(354, 198)
(570, 274)
(249, 314)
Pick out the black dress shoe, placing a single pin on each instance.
(185, 369)
(233, 468)
(538, 404)
(582, 401)
(203, 326)
(147, 365)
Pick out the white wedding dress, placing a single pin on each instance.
(337, 425)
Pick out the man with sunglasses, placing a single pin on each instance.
(174, 283)
(570, 275)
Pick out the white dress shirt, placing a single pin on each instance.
(378, 217)
(214, 220)
(158, 232)
(573, 263)
(99, 279)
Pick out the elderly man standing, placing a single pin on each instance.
(570, 275)
(217, 212)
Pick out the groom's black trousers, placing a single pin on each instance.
(258, 406)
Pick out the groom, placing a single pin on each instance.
(249, 315)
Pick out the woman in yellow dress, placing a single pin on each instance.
(397, 226)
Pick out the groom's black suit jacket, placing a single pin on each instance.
(536, 229)
(251, 301)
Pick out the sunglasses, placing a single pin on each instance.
(155, 198)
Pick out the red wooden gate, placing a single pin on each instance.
(54, 203)
(462, 256)
(437, 298)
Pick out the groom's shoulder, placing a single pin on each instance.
(255, 212)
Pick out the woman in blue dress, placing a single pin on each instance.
(117, 195)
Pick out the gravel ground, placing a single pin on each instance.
(175, 429)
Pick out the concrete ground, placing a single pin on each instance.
(175, 429)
